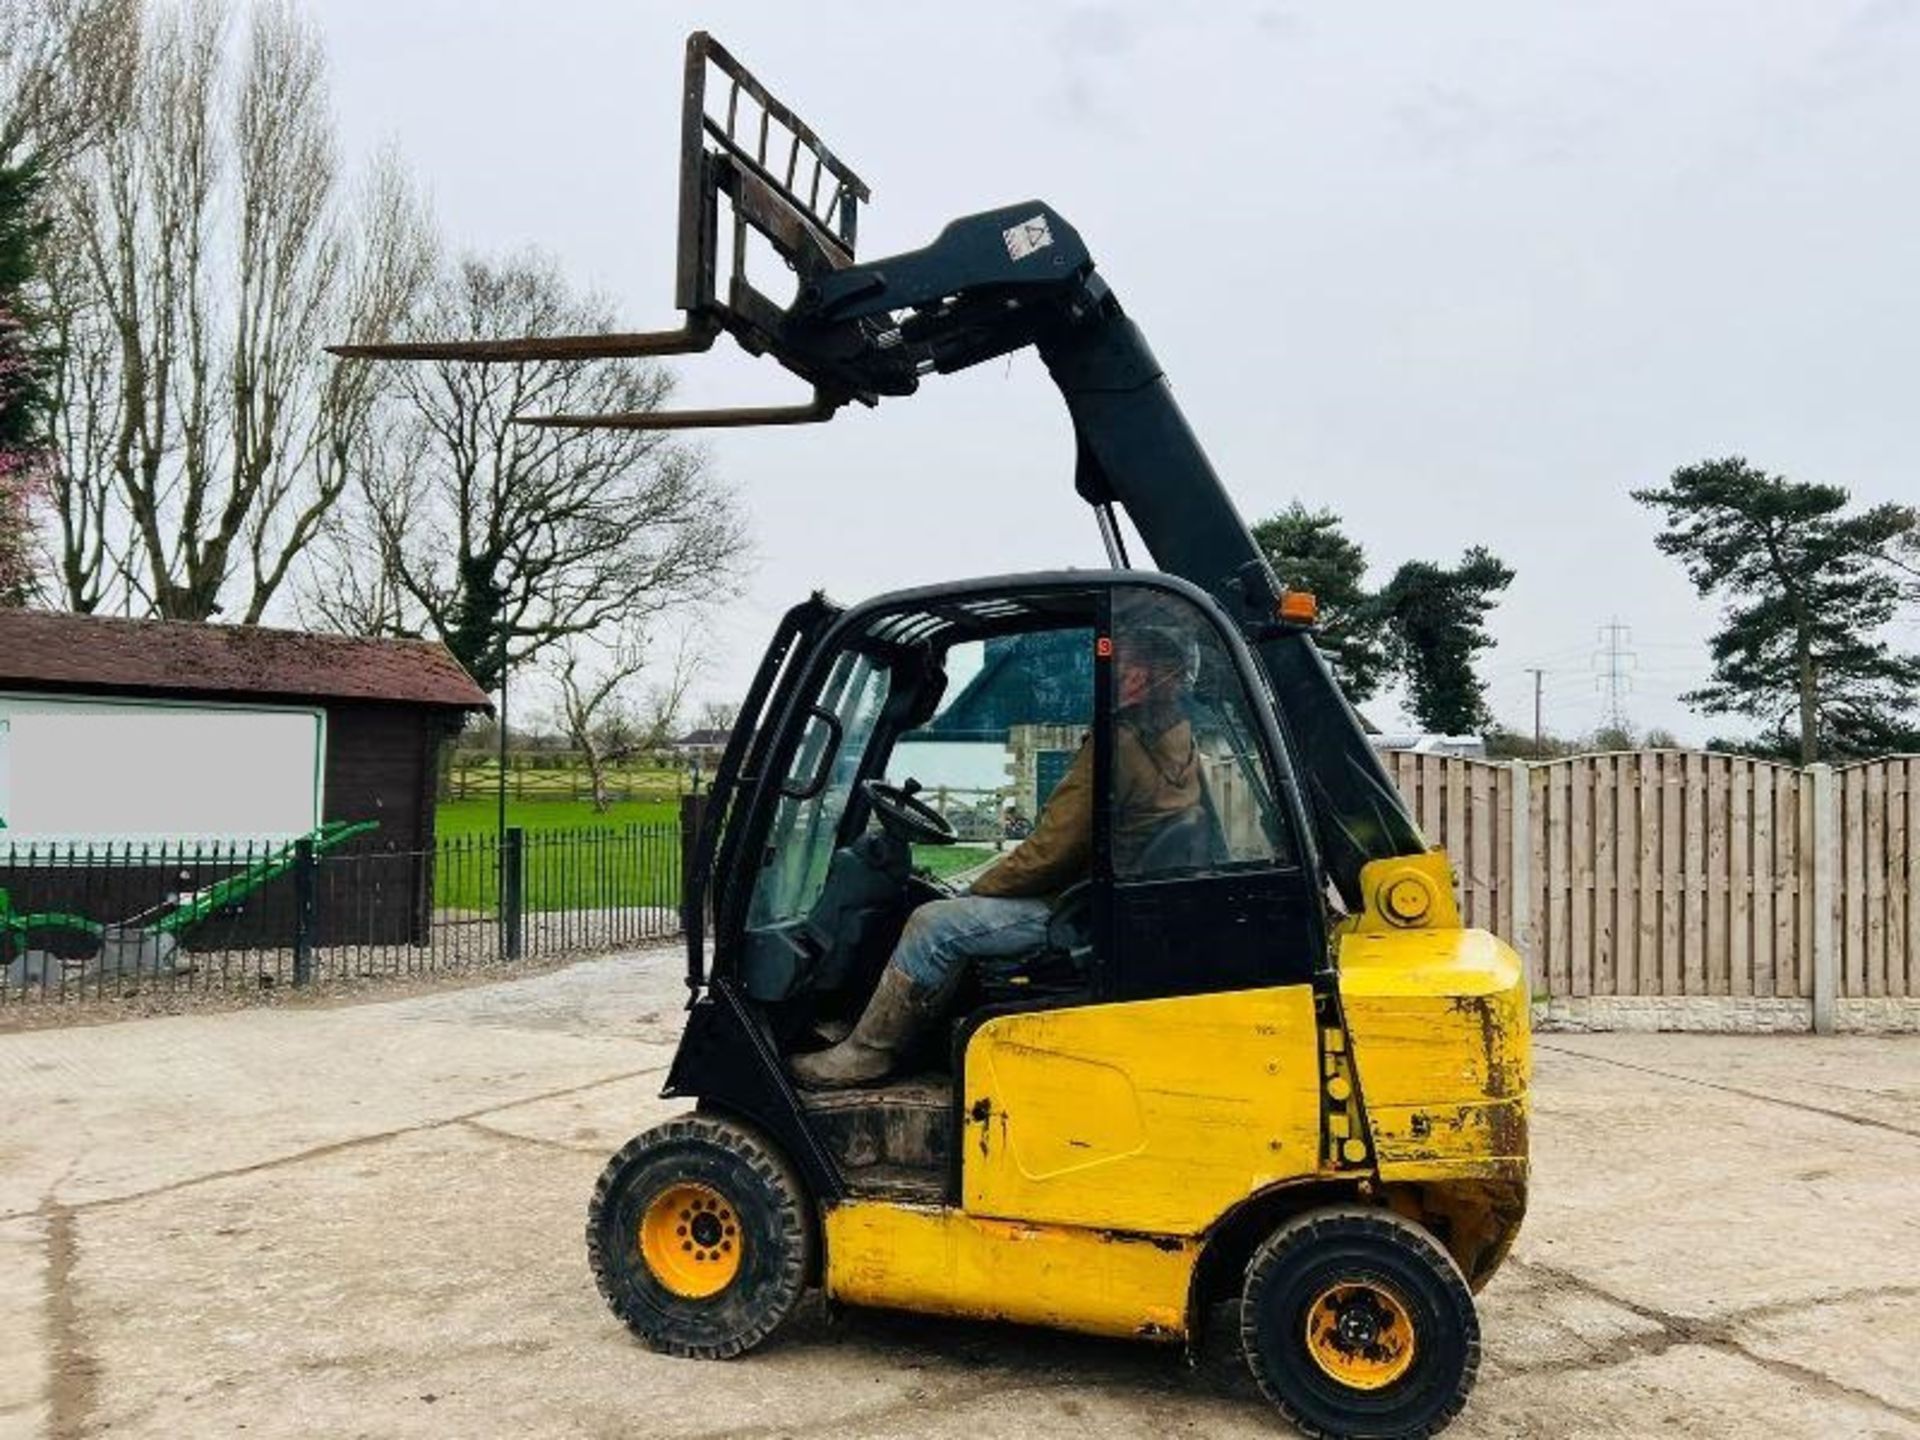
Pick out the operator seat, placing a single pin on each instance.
(1189, 841)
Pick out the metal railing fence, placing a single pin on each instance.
(86, 922)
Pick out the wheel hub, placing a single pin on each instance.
(1359, 1326)
(690, 1240)
(1360, 1334)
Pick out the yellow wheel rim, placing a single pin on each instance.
(691, 1241)
(1360, 1334)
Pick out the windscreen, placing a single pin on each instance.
(818, 785)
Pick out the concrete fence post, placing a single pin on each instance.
(1826, 865)
(1520, 872)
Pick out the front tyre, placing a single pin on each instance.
(1356, 1323)
(701, 1237)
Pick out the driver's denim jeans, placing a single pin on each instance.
(943, 935)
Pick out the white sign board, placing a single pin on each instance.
(94, 772)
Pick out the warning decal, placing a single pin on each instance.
(1026, 237)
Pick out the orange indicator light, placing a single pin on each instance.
(1299, 606)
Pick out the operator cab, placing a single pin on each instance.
(915, 740)
(927, 728)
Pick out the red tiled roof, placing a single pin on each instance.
(40, 648)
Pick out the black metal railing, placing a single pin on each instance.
(85, 922)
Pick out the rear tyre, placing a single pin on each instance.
(1356, 1323)
(701, 1237)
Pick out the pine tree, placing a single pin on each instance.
(1808, 591)
(1309, 551)
(1435, 621)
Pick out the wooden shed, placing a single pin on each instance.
(370, 715)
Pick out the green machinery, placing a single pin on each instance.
(155, 932)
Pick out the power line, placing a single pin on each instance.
(1614, 662)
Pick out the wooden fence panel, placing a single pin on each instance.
(1911, 868)
(1899, 877)
(1693, 877)
(1877, 900)
(1682, 873)
(1646, 879)
(1672, 895)
(1476, 847)
(1850, 895)
(1790, 960)
(1760, 883)
(1909, 871)
(1559, 937)
(1626, 870)
(1743, 838)
(1878, 892)
(1716, 951)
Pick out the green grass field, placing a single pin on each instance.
(632, 860)
(478, 817)
(638, 863)
(945, 860)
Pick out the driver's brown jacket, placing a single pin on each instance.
(1156, 780)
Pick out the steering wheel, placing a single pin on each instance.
(905, 816)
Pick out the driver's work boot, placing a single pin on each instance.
(892, 1017)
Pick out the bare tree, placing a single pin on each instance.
(66, 70)
(84, 406)
(593, 710)
(206, 250)
(601, 715)
(348, 588)
(665, 701)
(513, 540)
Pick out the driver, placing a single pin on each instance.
(1156, 780)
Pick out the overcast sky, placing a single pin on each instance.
(1465, 274)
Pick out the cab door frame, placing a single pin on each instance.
(1227, 904)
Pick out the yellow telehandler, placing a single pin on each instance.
(1254, 1058)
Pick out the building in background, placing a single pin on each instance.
(131, 735)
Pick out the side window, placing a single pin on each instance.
(801, 841)
(1191, 789)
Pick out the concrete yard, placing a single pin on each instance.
(366, 1219)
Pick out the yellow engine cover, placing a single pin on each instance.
(1150, 1116)
(1441, 1040)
